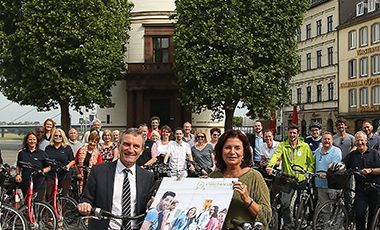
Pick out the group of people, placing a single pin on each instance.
(72, 157)
(109, 168)
(317, 153)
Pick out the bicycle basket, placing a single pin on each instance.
(337, 180)
(284, 183)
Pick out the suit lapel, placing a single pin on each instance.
(139, 189)
(110, 183)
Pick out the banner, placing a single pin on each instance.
(190, 204)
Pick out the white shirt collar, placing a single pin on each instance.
(120, 167)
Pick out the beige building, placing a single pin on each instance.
(150, 88)
(314, 89)
(359, 63)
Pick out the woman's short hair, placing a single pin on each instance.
(94, 136)
(105, 132)
(247, 158)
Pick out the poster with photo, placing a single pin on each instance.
(189, 204)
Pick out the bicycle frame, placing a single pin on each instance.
(28, 201)
(55, 198)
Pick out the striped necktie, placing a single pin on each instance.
(126, 200)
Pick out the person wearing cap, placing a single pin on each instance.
(315, 139)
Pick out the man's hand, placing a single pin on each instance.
(84, 208)
(269, 171)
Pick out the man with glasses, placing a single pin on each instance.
(178, 152)
(215, 134)
(315, 139)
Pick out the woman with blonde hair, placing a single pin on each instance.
(61, 152)
(87, 156)
(108, 149)
(203, 154)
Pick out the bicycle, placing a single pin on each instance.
(98, 213)
(340, 215)
(10, 218)
(64, 207)
(305, 204)
(40, 215)
(277, 183)
(375, 223)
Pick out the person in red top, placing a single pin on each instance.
(88, 155)
(155, 123)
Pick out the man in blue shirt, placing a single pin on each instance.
(324, 156)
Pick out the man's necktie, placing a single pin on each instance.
(126, 200)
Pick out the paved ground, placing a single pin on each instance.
(9, 150)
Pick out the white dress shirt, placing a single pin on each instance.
(118, 190)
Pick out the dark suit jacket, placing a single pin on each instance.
(99, 191)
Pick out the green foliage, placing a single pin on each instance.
(236, 50)
(67, 52)
(237, 121)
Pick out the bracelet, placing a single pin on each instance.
(250, 203)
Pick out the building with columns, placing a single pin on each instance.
(150, 88)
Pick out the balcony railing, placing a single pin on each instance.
(150, 68)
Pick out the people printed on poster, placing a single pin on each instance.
(167, 216)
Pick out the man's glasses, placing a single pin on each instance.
(216, 134)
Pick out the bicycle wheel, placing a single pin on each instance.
(274, 223)
(11, 219)
(300, 220)
(375, 225)
(70, 215)
(331, 215)
(46, 219)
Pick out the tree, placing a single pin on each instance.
(236, 50)
(62, 53)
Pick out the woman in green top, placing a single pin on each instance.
(250, 201)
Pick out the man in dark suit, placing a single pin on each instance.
(104, 187)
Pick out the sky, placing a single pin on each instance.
(13, 112)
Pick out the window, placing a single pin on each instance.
(371, 5)
(376, 64)
(298, 35)
(308, 31)
(160, 50)
(363, 67)
(308, 61)
(363, 36)
(299, 96)
(329, 23)
(352, 39)
(319, 58)
(376, 95)
(330, 87)
(299, 62)
(352, 68)
(319, 93)
(364, 97)
(308, 94)
(375, 31)
(319, 27)
(330, 56)
(360, 8)
(352, 98)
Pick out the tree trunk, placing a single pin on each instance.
(65, 117)
(228, 120)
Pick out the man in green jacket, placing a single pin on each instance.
(291, 151)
